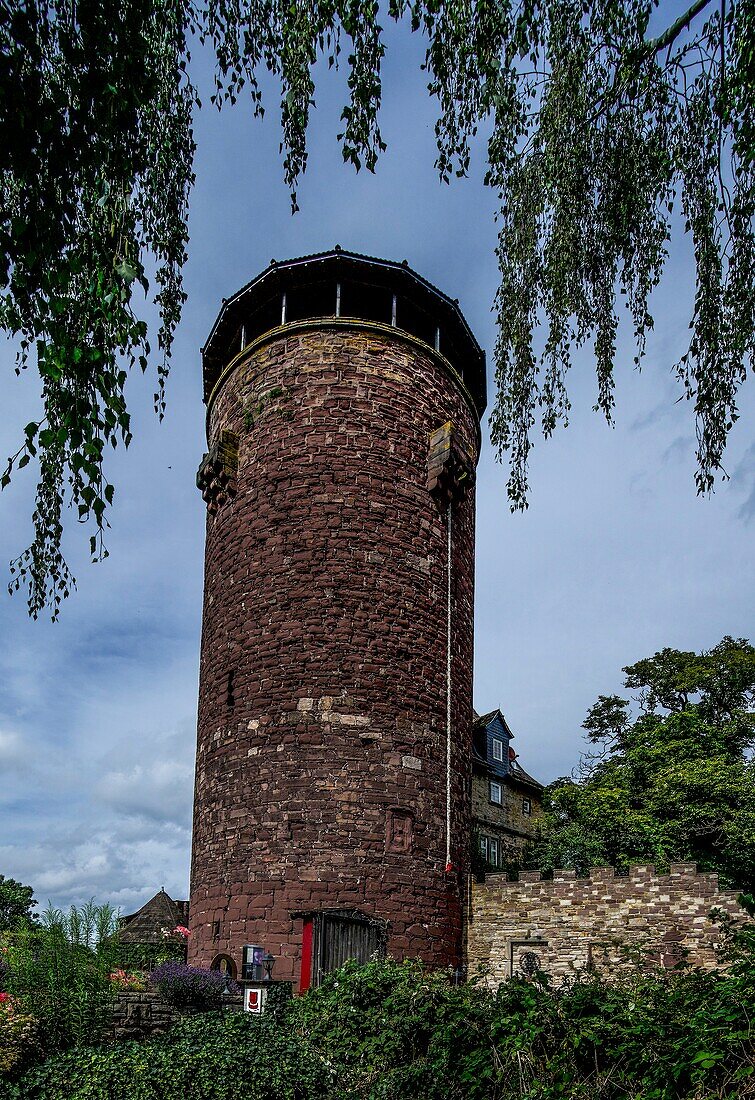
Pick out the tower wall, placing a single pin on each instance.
(321, 757)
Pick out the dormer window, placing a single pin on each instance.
(498, 750)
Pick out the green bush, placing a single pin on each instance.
(18, 1036)
(392, 1031)
(209, 1057)
(395, 1030)
(147, 956)
(59, 972)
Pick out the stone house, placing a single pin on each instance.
(506, 801)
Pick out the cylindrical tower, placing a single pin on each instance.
(331, 812)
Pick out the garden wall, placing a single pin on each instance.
(605, 923)
(142, 1015)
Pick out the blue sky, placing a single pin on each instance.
(616, 557)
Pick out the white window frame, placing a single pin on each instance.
(498, 748)
(484, 847)
(493, 849)
(499, 788)
(527, 807)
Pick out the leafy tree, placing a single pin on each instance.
(674, 781)
(605, 115)
(16, 905)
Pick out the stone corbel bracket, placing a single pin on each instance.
(450, 468)
(216, 476)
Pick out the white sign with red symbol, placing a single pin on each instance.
(254, 999)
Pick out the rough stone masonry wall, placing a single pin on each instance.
(496, 819)
(144, 1015)
(322, 706)
(605, 922)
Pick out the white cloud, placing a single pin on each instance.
(12, 754)
(160, 791)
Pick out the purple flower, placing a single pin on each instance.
(189, 985)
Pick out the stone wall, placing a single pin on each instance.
(143, 1015)
(321, 759)
(606, 923)
(507, 820)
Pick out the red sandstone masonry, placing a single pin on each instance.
(603, 922)
(325, 606)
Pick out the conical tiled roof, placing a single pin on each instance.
(147, 924)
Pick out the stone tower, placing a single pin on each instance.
(344, 396)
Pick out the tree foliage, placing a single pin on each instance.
(95, 132)
(604, 117)
(673, 781)
(16, 904)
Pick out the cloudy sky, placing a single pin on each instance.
(615, 558)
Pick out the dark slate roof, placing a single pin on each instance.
(146, 924)
(516, 773)
(519, 775)
(482, 721)
(256, 307)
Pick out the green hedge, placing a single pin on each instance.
(391, 1031)
(211, 1057)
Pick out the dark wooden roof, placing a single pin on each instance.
(146, 924)
(482, 721)
(368, 285)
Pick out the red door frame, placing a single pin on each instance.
(305, 980)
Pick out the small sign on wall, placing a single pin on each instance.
(254, 998)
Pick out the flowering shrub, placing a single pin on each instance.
(18, 1034)
(124, 980)
(188, 985)
(179, 931)
(146, 956)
